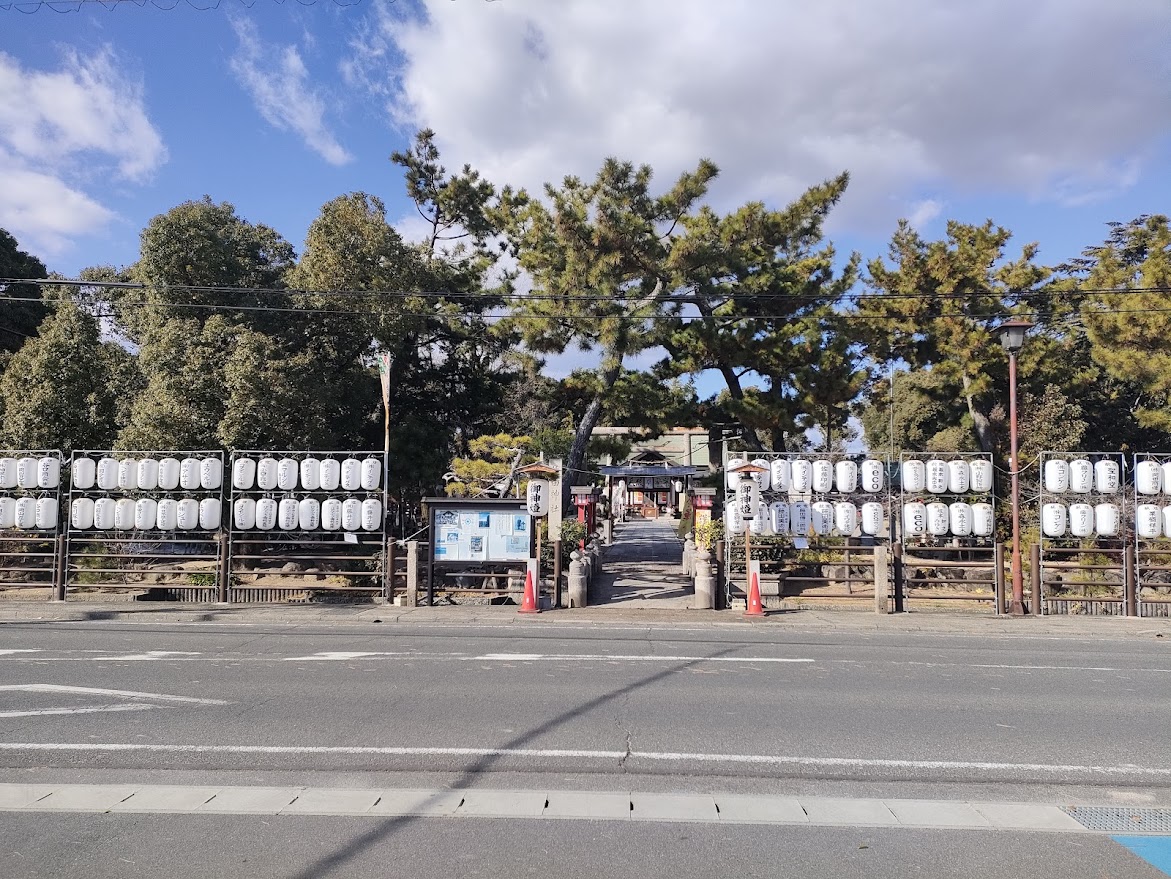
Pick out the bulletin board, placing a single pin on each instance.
(481, 534)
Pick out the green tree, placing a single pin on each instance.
(21, 308)
(59, 389)
(598, 257)
(756, 297)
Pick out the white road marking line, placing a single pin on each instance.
(606, 657)
(128, 706)
(126, 694)
(560, 753)
(879, 662)
(148, 656)
(340, 655)
(10, 652)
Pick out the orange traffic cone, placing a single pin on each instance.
(529, 603)
(755, 607)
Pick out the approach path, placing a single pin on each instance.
(644, 564)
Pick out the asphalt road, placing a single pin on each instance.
(656, 708)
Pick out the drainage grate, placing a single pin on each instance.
(1115, 819)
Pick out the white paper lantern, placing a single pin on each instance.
(731, 478)
(351, 514)
(959, 518)
(1166, 518)
(1148, 521)
(913, 476)
(48, 472)
(800, 475)
(959, 476)
(186, 514)
(147, 477)
(1107, 478)
(1081, 517)
(821, 517)
(914, 518)
(81, 514)
(189, 473)
(309, 514)
(107, 474)
(1165, 476)
(537, 497)
(331, 514)
(1148, 477)
(330, 475)
(26, 473)
(287, 474)
(937, 519)
(778, 515)
(167, 514)
(846, 477)
(1054, 520)
(169, 472)
(146, 513)
(845, 518)
(980, 475)
(351, 474)
(84, 473)
(823, 476)
(127, 474)
(779, 474)
(873, 475)
(983, 520)
(104, 513)
(1081, 476)
(287, 514)
(733, 521)
(800, 516)
(1107, 519)
(46, 513)
(936, 477)
(747, 499)
(211, 473)
(211, 512)
(760, 525)
(7, 473)
(872, 517)
(763, 478)
(243, 473)
(26, 513)
(1056, 476)
(266, 513)
(310, 475)
(371, 514)
(244, 513)
(266, 474)
(124, 514)
(7, 512)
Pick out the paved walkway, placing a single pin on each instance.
(643, 566)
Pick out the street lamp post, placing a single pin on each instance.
(1012, 337)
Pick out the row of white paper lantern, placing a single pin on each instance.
(1151, 477)
(801, 475)
(938, 519)
(799, 517)
(1082, 520)
(946, 477)
(147, 474)
(312, 474)
(32, 473)
(1082, 477)
(307, 514)
(144, 514)
(28, 513)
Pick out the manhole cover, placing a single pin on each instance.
(1115, 819)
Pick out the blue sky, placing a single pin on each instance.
(1051, 117)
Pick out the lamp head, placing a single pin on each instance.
(1012, 334)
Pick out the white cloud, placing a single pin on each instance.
(1055, 100)
(278, 82)
(58, 131)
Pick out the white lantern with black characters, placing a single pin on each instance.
(538, 497)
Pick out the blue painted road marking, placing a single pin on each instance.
(1155, 850)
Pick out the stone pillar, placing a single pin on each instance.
(577, 580)
(705, 583)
